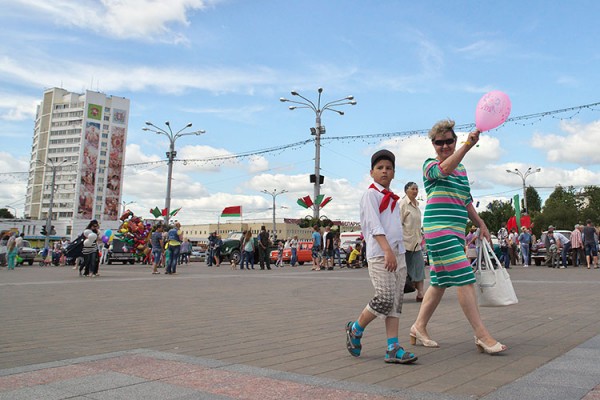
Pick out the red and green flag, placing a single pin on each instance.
(156, 212)
(174, 212)
(326, 201)
(234, 211)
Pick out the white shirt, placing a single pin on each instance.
(561, 238)
(386, 223)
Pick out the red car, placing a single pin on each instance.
(304, 253)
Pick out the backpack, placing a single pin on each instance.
(75, 248)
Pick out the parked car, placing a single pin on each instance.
(539, 251)
(26, 252)
(231, 249)
(198, 254)
(304, 253)
(119, 252)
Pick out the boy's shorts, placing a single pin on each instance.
(591, 250)
(328, 253)
(389, 287)
(316, 251)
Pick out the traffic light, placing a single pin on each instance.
(43, 231)
(52, 230)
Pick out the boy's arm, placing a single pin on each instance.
(374, 228)
(389, 258)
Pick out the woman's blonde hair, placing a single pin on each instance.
(441, 127)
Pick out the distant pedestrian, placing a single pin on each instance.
(263, 249)
(316, 248)
(217, 243)
(294, 250)
(248, 253)
(590, 242)
(90, 250)
(525, 243)
(11, 252)
(158, 247)
(410, 214)
(174, 237)
(577, 250)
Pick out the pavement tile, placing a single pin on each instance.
(143, 391)
(98, 382)
(43, 376)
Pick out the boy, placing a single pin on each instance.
(382, 227)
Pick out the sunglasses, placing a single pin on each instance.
(442, 142)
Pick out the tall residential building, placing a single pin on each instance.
(83, 135)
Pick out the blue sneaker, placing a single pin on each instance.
(352, 340)
(398, 356)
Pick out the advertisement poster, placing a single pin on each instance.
(119, 116)
(89, 163)
(114, 173)
(94, 111)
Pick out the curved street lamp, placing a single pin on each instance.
(274, 193)
(524, 175)
(318, 130)
(171, 154)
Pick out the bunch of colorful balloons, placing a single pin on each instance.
(133, 232)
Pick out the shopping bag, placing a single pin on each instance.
(495, 288)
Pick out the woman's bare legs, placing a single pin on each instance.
(468, 302)
(433, 296)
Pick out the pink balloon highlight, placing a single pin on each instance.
(492, 110)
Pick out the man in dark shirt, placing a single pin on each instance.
(589, 243)
(211, 252)
(263, 248)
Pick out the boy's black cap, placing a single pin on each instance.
(383, 155)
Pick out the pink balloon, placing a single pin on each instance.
(492, 110)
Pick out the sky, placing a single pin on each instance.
(224, 65)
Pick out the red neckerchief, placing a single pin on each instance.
(387, 196)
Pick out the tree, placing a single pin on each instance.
(534, 201)
(498, 211)
(589, 204)
(560, 210)
(4, 213)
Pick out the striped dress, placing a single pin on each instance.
(444, 224)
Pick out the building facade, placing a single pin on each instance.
(79, 142)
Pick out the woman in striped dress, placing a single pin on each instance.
(449, 206)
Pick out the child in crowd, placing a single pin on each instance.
(353, 259)
(382, 228)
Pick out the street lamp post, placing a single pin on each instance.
(54, 167)
(318, 130)
(274, 193)
(171, 154)
(524, 175)
(125, 204)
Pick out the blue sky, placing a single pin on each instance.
(223, 65)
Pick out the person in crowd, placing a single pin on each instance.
(217, 250)
(3, 250)
(564, 244)
(551, 246)
(90, 250)
(186, 250)
(279, 262)
(410, 214)
(513, 239)
(248, 254)
(354, 258)
(382, 227)
(590, 243)
(264, 258)
(158, 246)
(449, 205)
(471, 245)
(577, 250)
(316, 248)
(525, 243)
(11, 252)
(337, 251)
(328, 237)
(294, 250)
(211, 244)
(504, 245)
(174, 239)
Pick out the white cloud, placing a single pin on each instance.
(125, 19)
(17, 107)
(257, 164)
(578, 144)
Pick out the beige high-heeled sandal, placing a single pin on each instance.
(495, 349)
(416, 337)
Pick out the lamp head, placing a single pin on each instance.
(167, 123)
(353, 103)
(189, 125)
(350, 98)
(283, 99)
(509, 171)
(292, 107)
(294, 93)
(148, 123)
(320, 90)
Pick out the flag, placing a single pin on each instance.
(517, 211)
(156, 212)
(174, 212)
(307, 201)
(319, 199)
(234, 211)
(325, 202)
(301, 203)
(164, 212)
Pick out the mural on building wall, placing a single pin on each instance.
(88, 170)
(94, 111)
(114, 173)
(119, 116)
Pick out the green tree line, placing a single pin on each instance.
(564, 208)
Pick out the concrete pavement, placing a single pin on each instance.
(216, 333)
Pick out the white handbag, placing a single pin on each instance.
(493, 280)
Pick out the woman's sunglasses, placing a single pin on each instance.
(448, 142)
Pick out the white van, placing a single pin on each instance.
(349, 239)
